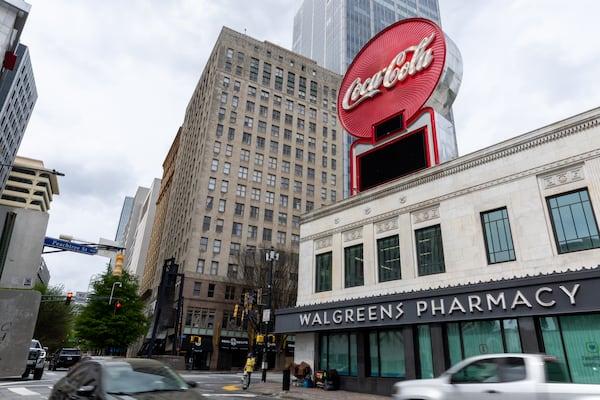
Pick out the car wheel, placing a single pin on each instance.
(37, 373)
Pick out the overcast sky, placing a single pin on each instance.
(114, 78)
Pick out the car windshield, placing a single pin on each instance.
(125, 378)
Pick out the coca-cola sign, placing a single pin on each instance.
(395, 72)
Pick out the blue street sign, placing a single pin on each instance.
(69, 246)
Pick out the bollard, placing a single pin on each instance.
(286, 380)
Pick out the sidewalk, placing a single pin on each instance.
(274, 387)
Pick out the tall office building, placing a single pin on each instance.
(18, 92)
(333, 32)
(259, 146)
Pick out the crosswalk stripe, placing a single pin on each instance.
(23, 391)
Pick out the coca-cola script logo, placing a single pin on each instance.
(396, 71)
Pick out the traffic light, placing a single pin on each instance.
(69, 298)
(118, 307)
(119, 258)
(235, 310)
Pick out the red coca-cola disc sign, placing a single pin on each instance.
(396, 71)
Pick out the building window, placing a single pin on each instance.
(203, 244)
(236, 229)
(230, 290)
(232, 273)
(254, 212)
(214, 268)
(216, 246)
(388, 258)
(212, 182)
(206, 223)
(224, 186)
(573, 221)
(219, 227)
(282, 218)
(498, 238)
(197, 288)
(269, 197)
(209, 202)
(353, 266)
(267, 234)
(243, 173)
(240, 191)
(268, 215)
(430, 251)
(255, 194)
(323, 269)
(234, 249)
(239, 209)
(281, 237)
(211, 290)
(200, 266)
(252, 232)
(222, 204)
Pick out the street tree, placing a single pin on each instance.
(114, 316)
(55, 320)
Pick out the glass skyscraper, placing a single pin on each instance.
(333, 32)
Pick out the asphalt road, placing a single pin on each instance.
(217, 385)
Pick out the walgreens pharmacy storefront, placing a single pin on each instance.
(374, 342)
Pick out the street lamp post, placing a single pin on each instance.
(112, 291)
(271, 256)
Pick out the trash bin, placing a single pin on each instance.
(286, 380)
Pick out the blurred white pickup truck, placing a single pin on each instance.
(499, 377)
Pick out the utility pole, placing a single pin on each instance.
(271, 256)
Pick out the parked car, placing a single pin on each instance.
(499, 377)
(36, 360)
(65, 358)
(131, 378)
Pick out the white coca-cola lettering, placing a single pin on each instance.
(397, 71)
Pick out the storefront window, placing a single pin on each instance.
(425, 352)
(466, 339)
(388, 256)
(387, 353)
(338, 351)
(574, 339)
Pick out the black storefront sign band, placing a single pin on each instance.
(544, 295)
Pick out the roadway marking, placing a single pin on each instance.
(228, 395)
(23, 391)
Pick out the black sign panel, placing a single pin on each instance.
(548, 295)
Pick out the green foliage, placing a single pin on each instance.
(55, 320)
(101, 325)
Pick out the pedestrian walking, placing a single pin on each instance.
(248, 369)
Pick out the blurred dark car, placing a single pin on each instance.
(65, 358)
(120, 378)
